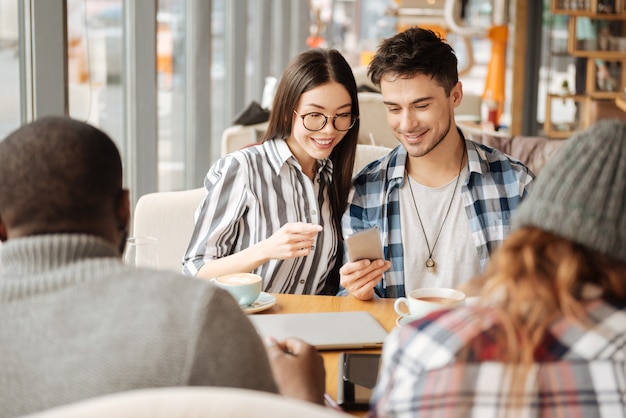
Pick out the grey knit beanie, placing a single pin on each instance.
(581, 193)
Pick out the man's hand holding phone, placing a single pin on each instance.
(366, 266)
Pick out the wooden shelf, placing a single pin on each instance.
(566, 129)
(617, 79)
(605, 48)
(576, 48)
(588, 8)
(594, 16)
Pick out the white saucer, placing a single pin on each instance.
(403, 320)
(263, 302)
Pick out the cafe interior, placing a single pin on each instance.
(178, 84)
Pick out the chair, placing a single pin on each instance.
(366, 154)
(363, 82)
(169, 217)
(533, 151)
(374, 129)
(190, 402)
(238, 136)
(469, 109)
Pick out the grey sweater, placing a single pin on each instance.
(78, 323)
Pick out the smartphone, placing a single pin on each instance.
(358, 373)
(365, 245)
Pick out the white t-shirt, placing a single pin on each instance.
(454, 253)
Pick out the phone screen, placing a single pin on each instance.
(365, 244)
(357, 378)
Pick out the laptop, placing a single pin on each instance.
(324, 330)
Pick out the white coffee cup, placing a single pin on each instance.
(420, 302)
(245, 287)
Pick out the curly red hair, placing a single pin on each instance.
(535, 277)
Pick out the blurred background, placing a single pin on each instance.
(165, 78)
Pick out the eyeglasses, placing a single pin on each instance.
(315, 121)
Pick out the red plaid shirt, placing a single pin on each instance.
(578, 371)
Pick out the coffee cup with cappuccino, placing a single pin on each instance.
(244, 287)
(420, 302)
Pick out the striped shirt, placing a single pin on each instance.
(447, 365)
(491, 191)
(252, 193)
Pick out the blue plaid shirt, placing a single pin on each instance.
(492, 191)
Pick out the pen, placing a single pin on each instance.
(329, 401)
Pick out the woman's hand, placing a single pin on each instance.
(296, 239)
(292, 240)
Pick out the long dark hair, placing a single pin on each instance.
(304, 72)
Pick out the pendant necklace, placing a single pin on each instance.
(430, 263)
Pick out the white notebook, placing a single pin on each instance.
(324, 330)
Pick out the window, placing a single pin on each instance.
(10, 50)
(95, 36)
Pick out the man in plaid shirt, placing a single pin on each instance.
(548, 335)
(441, 203)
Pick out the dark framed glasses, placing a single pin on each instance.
(315, 121)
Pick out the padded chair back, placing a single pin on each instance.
(168, 216)
(373, 121)
(361, 78)
(191, 402)
(366, 154)
(238, 136)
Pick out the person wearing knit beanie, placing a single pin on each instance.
(581, 195)
(547, 334)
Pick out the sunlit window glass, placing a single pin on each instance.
(9, 67)
(171, 94)
(96, 64)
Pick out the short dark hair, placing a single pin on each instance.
(306, 71)
(57, 171)
(415, 51)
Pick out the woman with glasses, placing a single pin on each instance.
(275, 209)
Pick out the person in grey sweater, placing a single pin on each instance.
(77, 322)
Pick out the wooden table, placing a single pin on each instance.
(621, 102)
(381, 309)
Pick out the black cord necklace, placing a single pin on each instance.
(430, 263)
